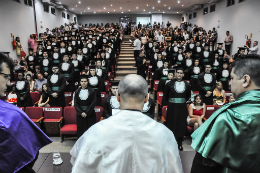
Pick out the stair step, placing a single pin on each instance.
(118, 78)
(126, 45)
(126, 59)
(127, 52)
(125, 72)
(126, 55)
(126, 63)
(127, 67)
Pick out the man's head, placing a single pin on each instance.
(20, 75)
(245, 75)
(171, 73)
(114, 88)
(55, 69)
(15, 62)
(132, 92)
(227, 33)
(196, 62)
(84, 81)
(207, 69)
(65, 57)
(6, 66)
(231, 98)
(40, 76)
(179, 73)
(255, 43)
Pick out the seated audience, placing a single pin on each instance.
(31, 82)
(219, 95)
(39, 82)
(44, 99)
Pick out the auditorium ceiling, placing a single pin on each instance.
(130, 6)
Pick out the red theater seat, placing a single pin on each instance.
(156, 83)
(99, 112)
(52, 120)
(159, 97)
(35, 97)
(35, 114)
(70, 122)
(210, 110)
(103, 96)
(107, 85)
(110, 76)
(22, 108)
(164, 113)
(68, 98)
(228, 93)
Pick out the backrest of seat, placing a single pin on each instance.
(109, 76)
(98, 111)
(151, 75)
(22, 108)
(159, 97)
(150, 68)
(70, 115)
(34, 112)
(35, 97)
(103, 96)
(156, 83)
(164, 112)
(68, 98)
(210, 110)
(53, 113)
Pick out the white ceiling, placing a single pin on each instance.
(135, 6)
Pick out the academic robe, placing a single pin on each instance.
(102, 73)
(85, 101)
(56, 83)
(67, 69)
(224, 76)
(78, 67)
(98, 85)
(177, 94)
(23, 90)
(194, 75)
(111, 139)
(32, 60)
(197, 52)
(141, 67)
(161, 73)
(206, 82)
(206, 58)
(216, 65)
(39, 56)
(110, 103)
(161, 87)
(190, 47)
(149, 108)
(45, 66)
(236, 126)
(57, 58)
(221, 54)
(187, 65)
(63, 50)
(180, 60)
(20, 139)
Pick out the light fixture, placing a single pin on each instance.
(149, 12)
(88, 8)
(169, 8)
(72, 8)
(111, 5)
(164, 4)
(179, 2)
(76, 6)
(182, 5)
(136, 7)
(81, 13)
(114, 10)
(177, 12)
(94, 12)
(59, 2)
(147, 5)
(159, 1)
(79, 2)
(107, 12)
(120, 7)
(84, 11)
(98, 10)
(144, 10)
(153, 8)
(128, 10)
(163, 12)
(122, 12)
(104, 8)
(159, 10)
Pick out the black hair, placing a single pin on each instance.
(44, 93)
(248, 65)
(195, 97)
(8, 61)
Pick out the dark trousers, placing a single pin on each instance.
(228, 47)
(136, 54)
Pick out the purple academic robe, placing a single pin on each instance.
(20, 138)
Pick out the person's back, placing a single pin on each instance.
(129, 141)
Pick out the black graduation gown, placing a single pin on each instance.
(149, 48)
(161, 73)
(102, 73)
(45, 66)
(224, 76)
(85, 101)
(197, 51)
(205, 86)
(98, 85)
(39, 56)
(67, 69)
(86, 55)
(180, 60)
(221, 54)
(56, 83)
(190, 47)
(23, 90)
(206, 58)
(194, 74)
(141, 67)
(78, 67)
(216, 64)
(187, 65)
(149, 108)
(177, 94)
(157, 64)
(32, 61)
(56, 58)
(110, 103)
(74, 44)
(161, 87)
(63, 50)
(175, 50)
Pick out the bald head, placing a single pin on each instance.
(133, 86)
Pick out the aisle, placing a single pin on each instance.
(126, 59)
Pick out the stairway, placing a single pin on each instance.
(126, 59)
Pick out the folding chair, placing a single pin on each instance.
(35, 114)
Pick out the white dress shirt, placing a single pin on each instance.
(253, 50)
(137, 44)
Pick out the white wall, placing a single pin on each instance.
(240, 19)
(143, 20)
(174, 19)
(17, 18)
(156, 18)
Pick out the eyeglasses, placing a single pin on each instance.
(6, 76)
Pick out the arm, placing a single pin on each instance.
(27, 92)
(71, 73)
(152, 108)
(200, 84)
(214, 83)
(63, 85)
(40, 101)
(32, 86)
(224, 98)
(76, 104)
(190, 110)
(166, 91)
(48, 86)
(93, 103)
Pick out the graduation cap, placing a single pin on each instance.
(220, 43)
(179, 68)
(180, 48)
(30, 49)
(159, 52)
(216, 52)
(98, 59)
(241, 48)
(171, 71)
(165, 60)
(20, 71)
(92, 66)
(114, 83)
(55, 65)
(84, 77)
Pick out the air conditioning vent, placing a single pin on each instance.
(197, 7)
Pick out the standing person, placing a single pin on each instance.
(141, 64)
(254, 49)
(194, 75)
(84, 102)
(177, 92)
(19, 135)
(228, 41)
(132, 94)
(207, 83)
(235, 149)
(137, 47)
(56, 84)
(111, 103)
(31, 42)
(18, 47)
(23, 91)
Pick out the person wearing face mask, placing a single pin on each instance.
(23, 91)
(67, 69)
(56, 84)
(84, 103)
(96, 83)
(111, 105)
(207, 83)
(177, 92)
(228, 141)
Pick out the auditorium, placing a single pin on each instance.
(123, 86)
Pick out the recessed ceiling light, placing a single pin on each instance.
(177, 12)
(182, 5)
(128, 10)
(120, 7)
(179, 1)
(169, 8)
(122, 12)
(59, 2)
(153, 8)
(159, 10)
(94, 12)
(107, 12)
(125, 16)
(88, 8)
(147, 5)
(111, 5)
(149, 12)
(136, 7)
(79, 2)
(164, 4)
(98, 10)
(104, 8)
(72, 8)
(81, 13)
(163, 12)
(114, 10)
(144, 10)
(76, 5)
(159, 1)
(84, 11)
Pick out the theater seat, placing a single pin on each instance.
(52, 120)
(35, 97)
(228, 93)
(22, 108)
(70, 122)
(210, 110)
(103, 96)
(107, 85)
(68, 98)
(35, 114)
(110, 76)
(164, 113)
(99, 112)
